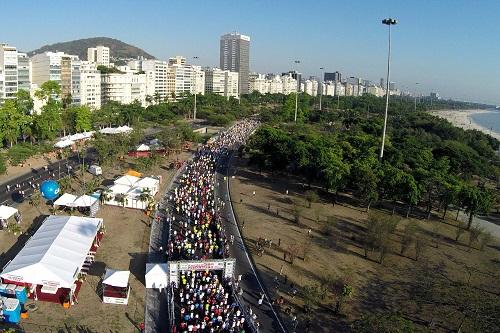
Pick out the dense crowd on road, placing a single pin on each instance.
(207, 304)
(205, 300)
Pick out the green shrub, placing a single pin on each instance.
(20, 152)
(3, 167)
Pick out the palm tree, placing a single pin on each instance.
(146, 196)
(121, 198)
(35, 200)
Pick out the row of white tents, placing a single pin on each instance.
(70, 140)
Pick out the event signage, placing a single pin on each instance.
(201, 266)
(50, 283)
(16, 278)
(174, 267)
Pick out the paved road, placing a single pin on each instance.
(9, 193)
(250, 282)
(156, 312)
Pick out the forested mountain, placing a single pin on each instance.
(79, 47)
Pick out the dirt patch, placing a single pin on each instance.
(270, 214)
(123, 247)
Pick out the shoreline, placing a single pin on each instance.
(463, 119)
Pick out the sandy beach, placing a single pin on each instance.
(463, 119)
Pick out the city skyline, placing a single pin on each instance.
(441, 46)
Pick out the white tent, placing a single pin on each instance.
(64, 143)
(115, 130)
(127, 180)
(119, 189)
(84, 201)
(6, 212)
(116, 278)
(156, 276)
(54, 255)
(65, 200)
(143, 147)
(153, 184)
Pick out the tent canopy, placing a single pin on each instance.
(116, 278)
(156, 275)
(55, 253)
(143, 147)
(6, 212)
(127, 180)
(65, 200)
(64, 143)
(84, 201)
(119, 189)
(148, 182)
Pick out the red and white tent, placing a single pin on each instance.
(55, 254)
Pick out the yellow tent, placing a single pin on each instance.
(133, 173)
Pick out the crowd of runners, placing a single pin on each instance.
(205, 300)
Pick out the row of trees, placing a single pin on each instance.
(428, 162)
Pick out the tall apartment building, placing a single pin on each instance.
(177, 60)
(335, 77)
(156, 77)
(289, 84)
(99, 54)
(46, 66)
(90, 85)
(23, 72)
(70, 78)
(221, 82)
(258, 82)
(184, 79)
(8, 72)
(235, 57)
(296, 76)
(124, 88)
(61, 68)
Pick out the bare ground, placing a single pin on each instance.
(124, 247)
(377, 287)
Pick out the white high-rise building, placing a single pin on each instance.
(257, 82)
(199, 80)
(46, 66)
(156, 78)
(275, 85)
(90, 85)
(8, 72)
(329, 88)
(289, 84)
(221, 82)
(124, 88)
(99, 54)
(70, 78)
(23, 71)
(59, 67)
(181, 80)
(308, 87)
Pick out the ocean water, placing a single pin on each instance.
(489, 120)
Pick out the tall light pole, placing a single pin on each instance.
(195, 92)
(321, 89)
(297, 62)
(415, 108)
(388, 22)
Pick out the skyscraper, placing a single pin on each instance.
(335, 77)
(235, 57)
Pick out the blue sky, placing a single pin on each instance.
(450, 46)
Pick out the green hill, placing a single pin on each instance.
(79, 47)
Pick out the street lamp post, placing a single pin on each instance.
(388, 22)
(297, 92)
(320, 90)
(195, 93)
(415, 108)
